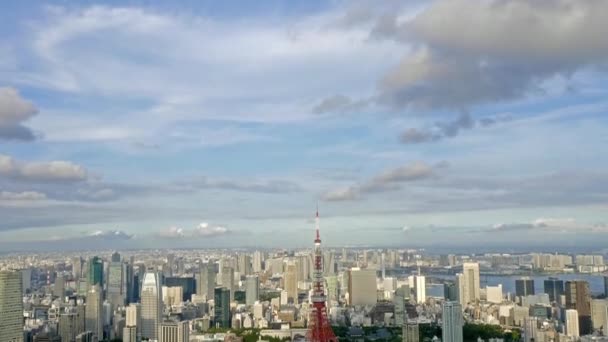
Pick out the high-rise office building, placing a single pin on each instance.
(174, 332)
(452, 322)
(133, 318)
(94, 312)
(530, 329)
(420, 288)
(116, 287)
(572, 320)
(151, 304)
(468, 283)
(244, 264)
(362, 287)
(578, 298)
(129, 334)
(411, 332)
(187, 284)
(11, 307)
(252, 289)
(95, 272)
(291, 282)
(59, 287)
(69, 326)
(450, 292)
(494, 294)
(524, 287)
(77, 264)
(205, 281)
(554, 288)
(599, 315)
(222, 307)
(228, 280)
(258, 262)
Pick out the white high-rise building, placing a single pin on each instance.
(572, 329)
(362, 288)
(530, 329)
(205, 281)
(494, 294)
(468, 283)
(252, 289)
(290, 279)
(133, 318)
(174, 332)
(172, 295)
(129, 334)
(452, 322)
(599, 314)
(420, 288)
(151, 304)
(11, 306)
(228, 280)
(94, 312)
(390, 284)
(258, 259)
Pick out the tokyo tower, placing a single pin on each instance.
(319, 329)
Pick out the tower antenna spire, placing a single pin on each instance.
(319, 329)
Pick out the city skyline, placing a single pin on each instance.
(128, 125)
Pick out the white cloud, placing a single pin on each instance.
(388, 180)
(22, 196)
(14, 110)
(206, 230)
(473, 52)
(52, 171)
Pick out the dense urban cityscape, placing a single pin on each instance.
(272, 295)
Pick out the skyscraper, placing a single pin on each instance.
(59, 287)
(468, 283)
(411, 332)
(228, 280)
(579, 299)
(599, 314)
(291, 282)
(252, 289)
(244, 264)
(524, 287)
(450, 292)
(452, 322)
(572, 328)
(258, 259)
(151, 304)
(554, 288)
(11, 307)
(95, 272)
(129, 334)
(205, 282)
(362, 287)
(116, 290)
(222, 307)
(133, 318)
(94, 312)
(420, 288)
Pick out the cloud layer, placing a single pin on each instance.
(474, 52)
(388, 180)
(52, 171)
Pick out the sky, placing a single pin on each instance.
(199, 124)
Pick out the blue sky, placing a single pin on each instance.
(198, 124)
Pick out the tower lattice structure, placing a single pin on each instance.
(319, 329)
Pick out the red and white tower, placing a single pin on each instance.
(319, 329)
